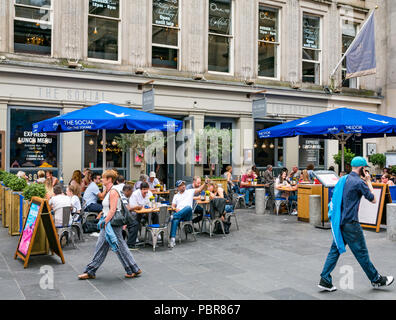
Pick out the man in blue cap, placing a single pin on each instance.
(355, 185)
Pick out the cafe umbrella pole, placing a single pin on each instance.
(104, 149)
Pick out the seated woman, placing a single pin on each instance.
(305, 178)
(72, 193)
(228, 175)
(40, 176)
(57, 203)
(386, 178)
(76, 181)
(49, 189)
(218, 202)
(281, 182)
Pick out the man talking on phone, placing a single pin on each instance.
(346, 228)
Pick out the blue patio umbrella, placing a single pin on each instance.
(107, 117)
(340, 124)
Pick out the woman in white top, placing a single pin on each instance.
(110, 204)
(279, 182)
(72, 192)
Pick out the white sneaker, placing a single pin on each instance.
(95, 234)
(159, 237)
(172, 243)
(294, 212)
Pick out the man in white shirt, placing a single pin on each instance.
(153, 181)
(57, 203)
(137, 201)
(182, 203)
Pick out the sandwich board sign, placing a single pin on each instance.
(39, 210)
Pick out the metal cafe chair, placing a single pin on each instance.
(66, 229)
(156, 229)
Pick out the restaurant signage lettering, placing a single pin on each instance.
(104, 4)
(309, 152)
(35, 145)
(268, 25)
(220, 17)
(311, 33)
(165, 12)
(148, 101)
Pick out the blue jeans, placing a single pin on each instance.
(247, 192)
(352, 234)
(184, 214)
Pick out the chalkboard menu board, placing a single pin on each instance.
(268, 24)
(311, 32)
(220, 16)
(166, 12)
(309, 152)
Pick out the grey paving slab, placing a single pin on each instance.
(270, 257)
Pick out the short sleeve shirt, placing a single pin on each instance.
(137, 199)
(76, 204)
(185, 199)
(91, 194)
(355, 188)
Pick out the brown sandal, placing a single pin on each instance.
(133, 275)
(85, 276)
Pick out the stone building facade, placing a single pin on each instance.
(203, 73)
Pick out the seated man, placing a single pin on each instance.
(92, 194)
(153, 181)
(142, 178)
(244, 189)
(197, 209)
(183, 203)
(137, 201)
(57, 203)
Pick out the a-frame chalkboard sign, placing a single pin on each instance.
(39, 209)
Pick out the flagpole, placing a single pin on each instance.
(350, 46)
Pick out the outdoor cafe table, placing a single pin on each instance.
(253, 185)
(160, 193)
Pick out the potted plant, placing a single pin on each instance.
(207, 193)
(34, 190)
(17, 184)
(158, 187)
(348, 156)
(378, 159)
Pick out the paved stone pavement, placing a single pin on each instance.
(270, 257)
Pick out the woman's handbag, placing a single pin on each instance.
(122, 216)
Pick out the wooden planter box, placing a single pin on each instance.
(6, 216)
(17, 211)
(1, 198)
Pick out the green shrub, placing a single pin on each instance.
(393, 170)
(34, 190)
(2, 174)
(378, 159)
(17, 184)
(348, 156)
(7, 179)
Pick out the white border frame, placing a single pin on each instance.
(178, 48)
(231, 61)
(12, 30)
(119, 19)
(320, 61)
(278, 58)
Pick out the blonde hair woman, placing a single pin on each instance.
(305, 177)
(40, 176)
(111, 203)
(49, 189)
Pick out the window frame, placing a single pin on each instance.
(232, 44)
(51, 23)
(278, 44)
(359, 25)
(320, 50)
(119, 42)
(178, 47)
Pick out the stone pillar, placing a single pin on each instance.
(199, 119)
(139, 33)
(71, 152)
(260, 203)
(315, 210)
(291, 145)
(4, 23)
(193, 35)
(245, 36)
(242, 139)
(391, 221)
(68, 25)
